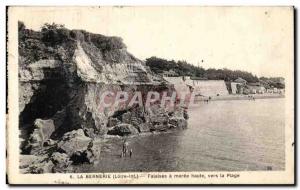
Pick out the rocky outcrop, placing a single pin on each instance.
(37, 164)
(58, 157)
(61, 162)
(123, 129)
(178, 122)
(74, 141)
(62, 75)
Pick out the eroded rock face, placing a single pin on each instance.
(61, 82)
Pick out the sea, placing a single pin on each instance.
(232, 135)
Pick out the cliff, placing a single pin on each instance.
(62, 74)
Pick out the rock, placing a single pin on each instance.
(74, 141)
(159, 119)
(126, 117)
(136, 121)
(34, 143)
(22, 144)
(50, 142)
(144, 127)
(45, 127)
(85, 156)
(90, 132)
(185, 114)
(60, 159)
(123, 129)
(113, 122)
(80, 148)
(96, 150)
(159, 127)
(57, 163)
(39, 168)
(35, 164)
(62, 162)
(179, 122)
(90, 155)
(27, 160)
(170, 126)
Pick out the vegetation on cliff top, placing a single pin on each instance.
(183, 68)
(54, 41)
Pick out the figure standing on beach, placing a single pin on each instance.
(130, 153)
(125, 147)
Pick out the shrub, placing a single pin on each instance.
(54, 34)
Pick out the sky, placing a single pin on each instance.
(253, 39)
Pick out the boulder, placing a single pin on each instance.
(126, 117)
(50, 142)
(57, 163)
(74, 141)
(35, 164)
(90, 155)
(40, 168)
(34, 143)
(185, 114)
(179, 122)
(170, 126)
(61, 161)
(80, 148)
(160, 119)
(144, 127)
(113, 122)
(136, 121)
(85, 156)
(159, 127)
(123, 129)
(45, 127)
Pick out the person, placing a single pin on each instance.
(130, 153)
(125, 147)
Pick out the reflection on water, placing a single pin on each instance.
(222, 135)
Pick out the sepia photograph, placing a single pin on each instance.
(150, 95)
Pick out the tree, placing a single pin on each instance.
(54, 34)
(183, 68)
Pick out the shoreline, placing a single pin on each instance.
(241, 97)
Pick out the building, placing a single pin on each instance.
(256, 89)
(234, 89)
(240, 81)
(170, 73)
(200, 87)
(210, 87)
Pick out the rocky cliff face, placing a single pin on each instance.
(62, 74)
